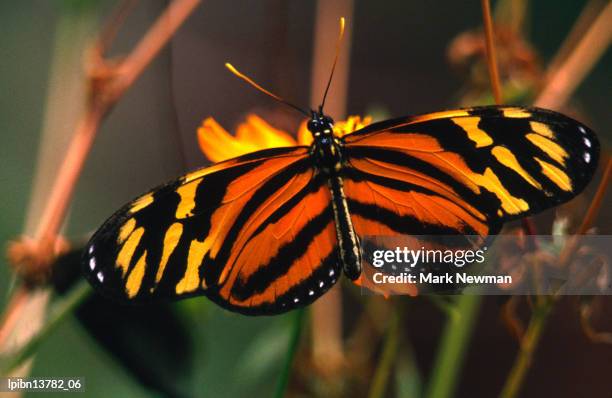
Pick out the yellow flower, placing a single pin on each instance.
(256, 134)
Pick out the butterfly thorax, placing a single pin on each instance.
(326, 148)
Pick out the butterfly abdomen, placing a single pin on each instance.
(348, 243)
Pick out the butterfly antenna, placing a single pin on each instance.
(263, 90)
(331, 75)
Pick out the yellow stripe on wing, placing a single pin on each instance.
(127, 251)
(134, 281)
(470, 126)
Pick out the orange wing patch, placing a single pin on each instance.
(264, 249)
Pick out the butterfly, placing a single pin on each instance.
(274, 229)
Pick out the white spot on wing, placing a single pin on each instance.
(295, 300)
(331, 272)
(582, 130)
(92, 263)
(321, 284)
(587, 157)
(100, 276)
(586, 142)
(90, 249)
(311, 293)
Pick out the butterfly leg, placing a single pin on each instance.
(348, 242)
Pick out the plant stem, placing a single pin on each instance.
(446, 306)
(294, 342)
(387, 358)
(566, 78)
(528, 345)
(490, 51)
(58, 312)
(454, 341)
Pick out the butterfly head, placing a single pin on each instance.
(321, 125)
(326, 147)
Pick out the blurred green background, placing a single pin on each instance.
(398, 62)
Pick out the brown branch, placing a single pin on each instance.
(590, 48)
(113, 24)
(151, 44)
(16, 302)
(490, 51)
(587, 16)
(62, 190)
(102, 98)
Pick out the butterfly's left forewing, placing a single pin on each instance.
(464, 171)
(254, 234)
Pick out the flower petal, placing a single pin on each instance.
(218, 145)
(353, 123)
(260, 134)
(256, 134)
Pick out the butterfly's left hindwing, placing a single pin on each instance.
(254, 234)
(464, 171)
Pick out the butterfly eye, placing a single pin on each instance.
(313, 125)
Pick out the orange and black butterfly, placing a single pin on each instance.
(274, 229)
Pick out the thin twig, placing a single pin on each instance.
(151, 44)
(380, 381)
(113, 25)
(529, 344)
(490, 51)
(58, 311)
(588, 14)
(62, 190)
(567, 77)
(11, 316)
(453, 346)
(296, 332)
